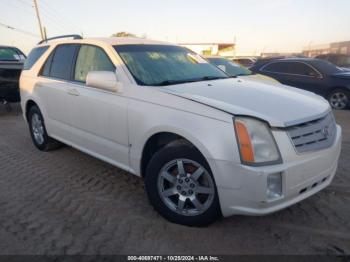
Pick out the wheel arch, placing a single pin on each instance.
(161, 139)
(30, 103)
(338, 87)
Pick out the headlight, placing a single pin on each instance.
(256, 143)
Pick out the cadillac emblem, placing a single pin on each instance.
(325, 132)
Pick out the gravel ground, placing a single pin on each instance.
(66, 202)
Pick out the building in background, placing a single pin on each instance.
(332, 48)
(276, 54)
(222, 49)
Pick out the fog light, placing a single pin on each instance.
(274, 186)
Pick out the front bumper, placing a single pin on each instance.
(302, 176)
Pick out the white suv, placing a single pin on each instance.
(206, 145)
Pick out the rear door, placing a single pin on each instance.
(55, 87)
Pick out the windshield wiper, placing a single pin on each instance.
(176, 82)
(173, 82)
(206, 78)
(244, 74)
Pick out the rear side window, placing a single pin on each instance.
(91, 58)
(62, 60)
(34, 56)
(294, 68)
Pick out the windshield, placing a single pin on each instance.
(10, 54)
(160, 65)
(344, 61)
(230, 68)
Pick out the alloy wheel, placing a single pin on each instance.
(186, 187)
(339, 100)
(37, 128)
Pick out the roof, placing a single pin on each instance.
(289, 59)
(263, 61)
(306, 59)
(209, 43)
(7, 46)
(128, 41)
(110, 41)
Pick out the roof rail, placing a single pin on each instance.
(60, 36)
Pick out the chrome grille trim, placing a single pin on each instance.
(313, 135)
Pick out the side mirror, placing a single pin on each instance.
(105, 80)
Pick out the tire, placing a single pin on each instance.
(339, 99)
(38, 131)
(199, 187)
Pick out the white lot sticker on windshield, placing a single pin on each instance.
(197, 58)
(16, 57)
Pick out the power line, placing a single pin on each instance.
(25, 3)
(55, 22)
(19, 7)
(19, 30)
(50, 16)
(55, 14)
(31, 7)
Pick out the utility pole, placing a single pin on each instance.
(234, 46)
(39, 20)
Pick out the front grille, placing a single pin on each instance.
(314, 135)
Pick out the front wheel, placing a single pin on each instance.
(339, 99)
(181, 187)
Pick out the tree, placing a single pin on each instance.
(123, 34)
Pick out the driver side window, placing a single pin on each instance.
(91, 58)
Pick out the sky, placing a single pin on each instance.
(256, 25)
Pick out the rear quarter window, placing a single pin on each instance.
(34, 56)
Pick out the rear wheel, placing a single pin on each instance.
(181, 187)
(38, 131)
(339, 99)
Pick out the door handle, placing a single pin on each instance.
(73, 92)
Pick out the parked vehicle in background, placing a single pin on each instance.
(340, 60)
(206, 144)
(315, 75)
(11, 64)
(233, 69)
(244, 61)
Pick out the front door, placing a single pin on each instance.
(98, 117)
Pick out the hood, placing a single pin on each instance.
(279, 105)
(343, 75)
(259, 77)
